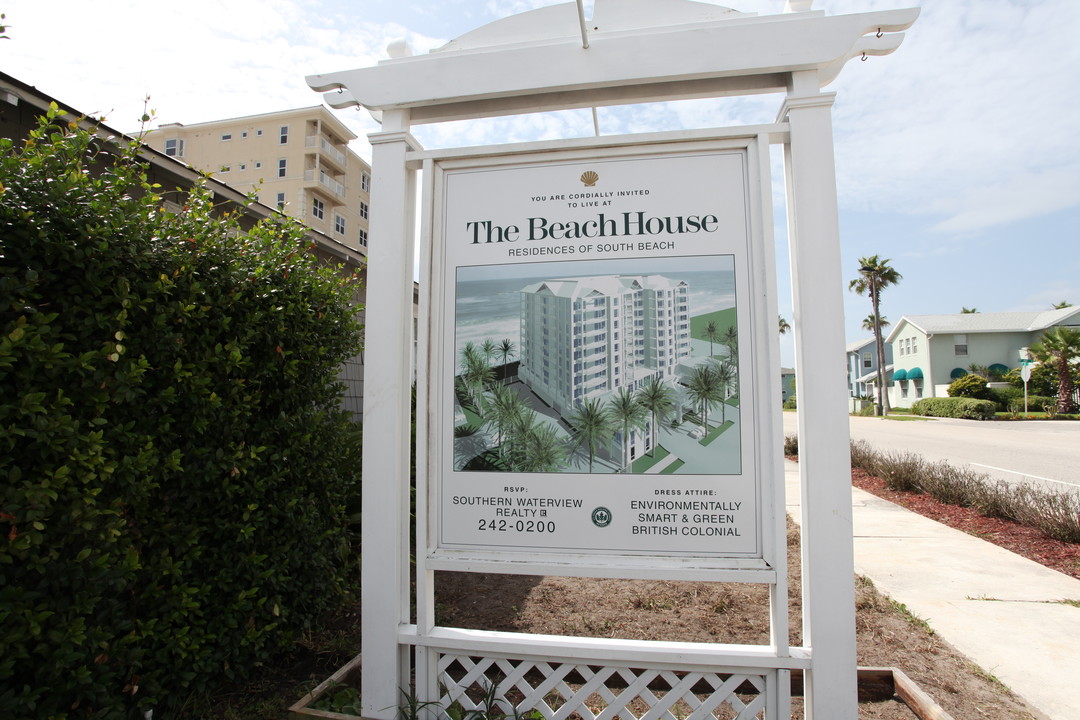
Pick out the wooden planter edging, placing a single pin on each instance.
(874, 683)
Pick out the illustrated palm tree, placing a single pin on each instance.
(731, 339)
(875, 274)
(503, 410)
(658, 399)
(1060, 347)
(704, 389)
(543, 450)
(476, 373)
(726, 379)
(489, 349)
(507, 350)
(785, 326)
(628, 414)
(590, 426)
(712, 334)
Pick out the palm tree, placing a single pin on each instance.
(968, 311)
(785, 326)
(628, 413)
(658, 399)
(704, 389)
(875, 274)
(1062, 305)
(712, 334)
(506, 349)
(731, 339)
(590, 425)
(1060, 347)
(868, 323)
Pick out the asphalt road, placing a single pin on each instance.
(1042, 452)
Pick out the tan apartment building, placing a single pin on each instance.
(295, 160)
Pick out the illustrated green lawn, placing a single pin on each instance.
(716, 432)
(723, 319)
(670, 469)
(643, 463)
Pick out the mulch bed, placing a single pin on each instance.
(1027, 542)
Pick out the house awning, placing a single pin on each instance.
(914, 374)
(958, 373)
(900, 374)
(998, 369)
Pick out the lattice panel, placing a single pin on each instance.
(570, 691)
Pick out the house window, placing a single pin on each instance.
(243, 166)
(364, 214)
(281, 201)
(284, 137)
(258, 165)
(282, 167)
(867, 360)
(365, 182)
(318, 208)
(914, 345)
(174, 147)
(258, 133)
(363, 238)
(960, 348)
(226, 136)
(339, 224)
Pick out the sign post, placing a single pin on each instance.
(617, 273)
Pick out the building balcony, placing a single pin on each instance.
(325, 180)
(327, 151)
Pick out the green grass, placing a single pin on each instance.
(907, 418)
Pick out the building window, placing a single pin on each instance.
(282, 167)
(281, 201)
(258, 133)
(226, 136)
(914, 345)
(318, 208)
(960, 347)
(339, 224)
(867, 360)
(226, 168)
(365, 182)
(284, 137)
(243, 166)
(363, 238)
(258, 165)
(364, 214)
(174, 147)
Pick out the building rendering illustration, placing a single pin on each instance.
(587, 337)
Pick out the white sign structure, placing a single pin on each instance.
(561, 249)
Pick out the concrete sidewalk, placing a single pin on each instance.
(1002, 611)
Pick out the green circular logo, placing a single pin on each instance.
(601, 517)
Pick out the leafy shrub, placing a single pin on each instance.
(791, 403)
(953, 407)
(970, 386)
(174, 465)
(1003, 397)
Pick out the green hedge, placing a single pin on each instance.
(953, 407)
(174, 466)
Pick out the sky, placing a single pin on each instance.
(957, 156)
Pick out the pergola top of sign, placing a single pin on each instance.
(638, 51)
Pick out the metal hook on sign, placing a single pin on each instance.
(864, 58)
(879, 33)
(340, 90)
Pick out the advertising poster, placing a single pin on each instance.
(594, 393)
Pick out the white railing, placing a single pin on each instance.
(324, 179)
(327, 147)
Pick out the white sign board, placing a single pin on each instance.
(594, 350)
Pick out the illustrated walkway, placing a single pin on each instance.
(1002, 611)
